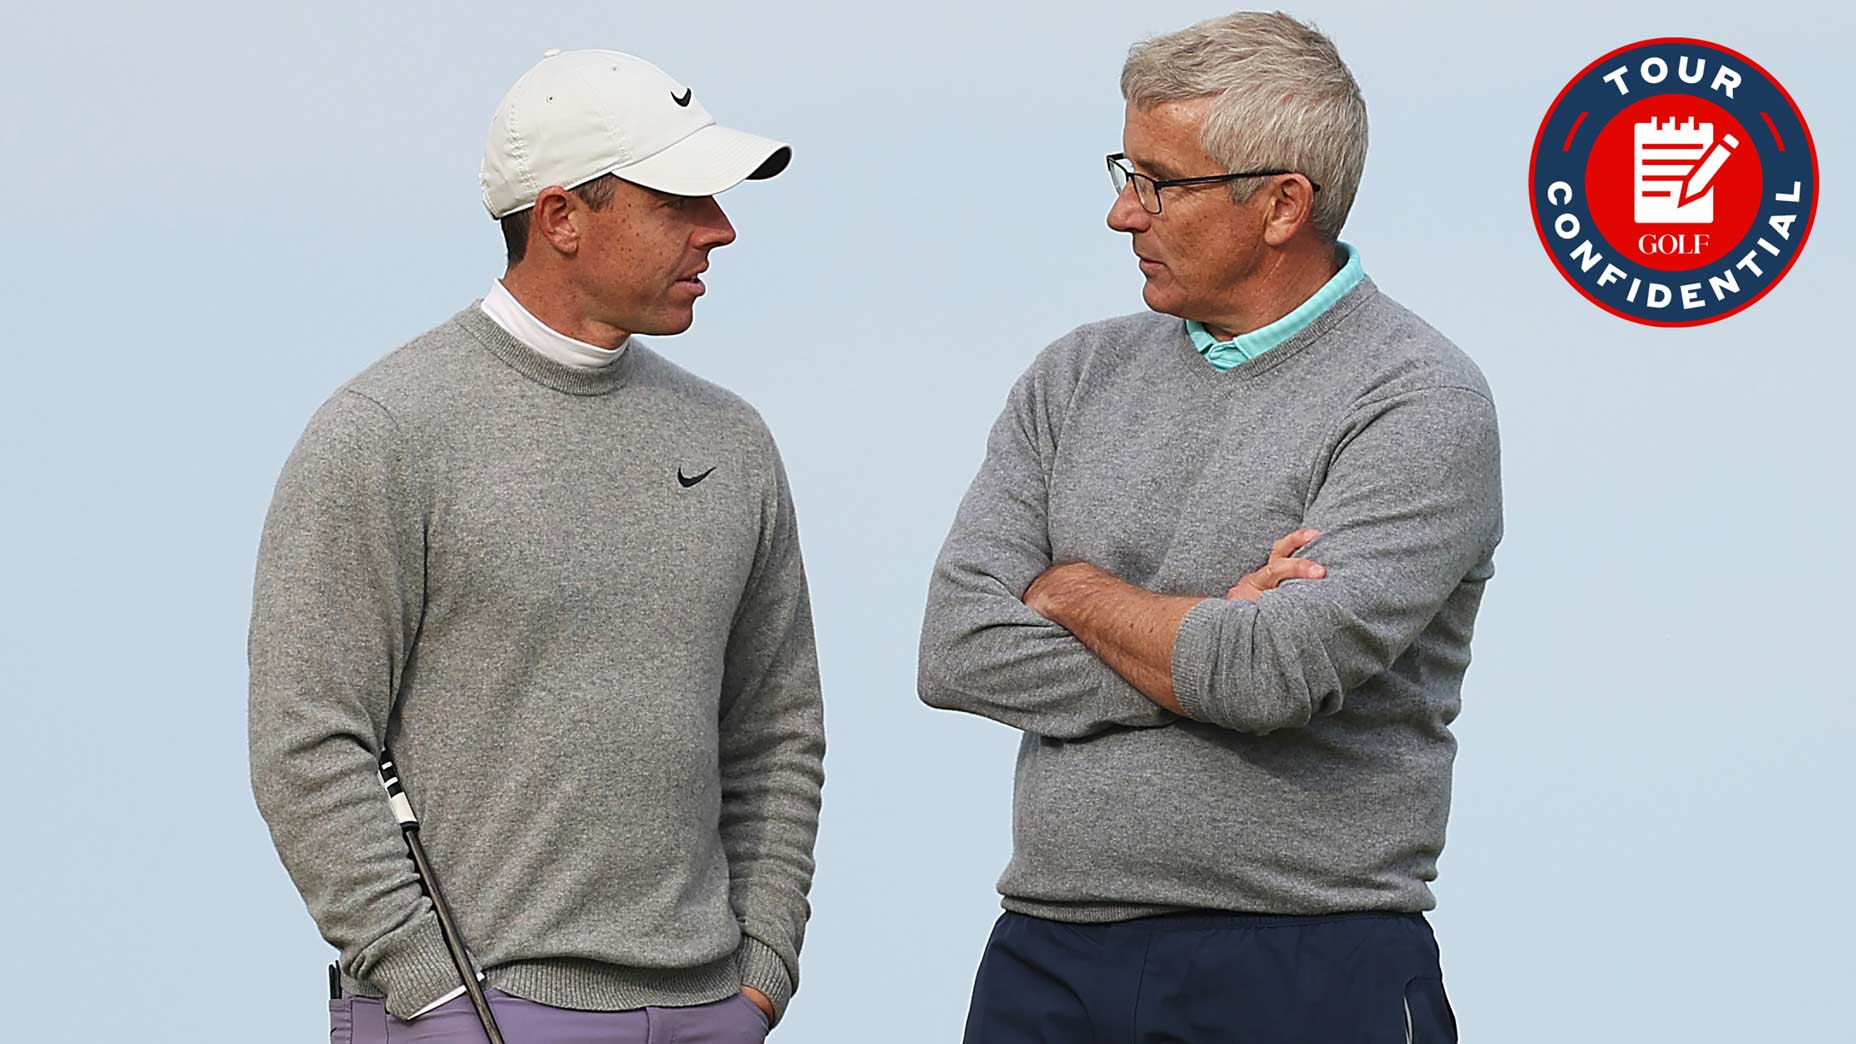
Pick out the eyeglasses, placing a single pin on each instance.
(1147, 189)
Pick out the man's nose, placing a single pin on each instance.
(716, 229)
(1126, 213)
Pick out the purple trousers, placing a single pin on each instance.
(364, 1020)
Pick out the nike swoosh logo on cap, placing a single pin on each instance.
(688, 93)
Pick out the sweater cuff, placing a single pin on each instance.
(1193, 657)
(762, 968)
(414, 968)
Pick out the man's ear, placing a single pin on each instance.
(1291, 207)
(556, 221)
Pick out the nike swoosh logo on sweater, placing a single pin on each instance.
(688, 481)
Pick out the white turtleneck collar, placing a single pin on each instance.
(507, 312)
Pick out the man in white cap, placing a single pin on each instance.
(561, 577)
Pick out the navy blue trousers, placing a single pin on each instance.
(1365, 978)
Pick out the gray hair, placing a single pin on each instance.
(1281, 97)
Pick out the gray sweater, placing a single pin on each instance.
(1312, 773)
(598, 679)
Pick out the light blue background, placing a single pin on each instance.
(215, 216)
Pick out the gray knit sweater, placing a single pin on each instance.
(1313, 772)
(598, 677)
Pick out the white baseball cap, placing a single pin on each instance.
(579, 115)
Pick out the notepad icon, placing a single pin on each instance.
(1676, 165)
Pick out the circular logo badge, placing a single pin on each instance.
(1673, 182)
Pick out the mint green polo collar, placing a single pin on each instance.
(1225, 354)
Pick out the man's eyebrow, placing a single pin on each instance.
(1158, 170)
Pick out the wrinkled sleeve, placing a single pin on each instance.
(983, 651)
(1410, 504)
(772, 753)
(336, 603)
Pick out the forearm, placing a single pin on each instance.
(328, 818)
(771, 755)
(991, 655)
(1129, 628)
(316, 716)
(769, 822)
(771, 782)
(984, 651)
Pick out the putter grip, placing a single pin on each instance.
(396, 794)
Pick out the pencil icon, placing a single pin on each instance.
(1697, 184)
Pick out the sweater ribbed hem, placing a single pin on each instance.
(593, 986)
(1192, 649)
(1109, 912)
(581, 985)
(762, 968)
(415, 968)
(1086, 913)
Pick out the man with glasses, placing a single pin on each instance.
(560, 576)
(1235, 771)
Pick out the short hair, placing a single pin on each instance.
(596, 194)
(1281, 97)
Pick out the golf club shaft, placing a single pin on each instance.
(447, 927)
(453, 941)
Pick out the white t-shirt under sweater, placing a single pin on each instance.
(501, 305)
